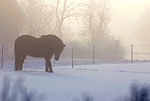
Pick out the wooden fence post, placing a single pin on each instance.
(72, 57)
(93, 54)
(132, 53)
(2, 58)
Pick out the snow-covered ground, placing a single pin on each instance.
(104, 82)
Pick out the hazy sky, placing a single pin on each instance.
(125, 18)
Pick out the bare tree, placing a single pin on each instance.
(64, 10)
(97, 18)
(39, 17)
(11, 17)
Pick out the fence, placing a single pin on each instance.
(2, 56)
(74, 56)
(6, 53)
(140, 52)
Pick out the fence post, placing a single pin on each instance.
(132, 53)
(2, 58)
(93, 54)
(72, 57)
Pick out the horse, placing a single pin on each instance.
(44, 47)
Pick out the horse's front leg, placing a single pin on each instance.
(50, 67)
(46, 64)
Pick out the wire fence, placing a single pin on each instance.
(137, 52)
(72, 56)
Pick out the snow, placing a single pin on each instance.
(104, 82)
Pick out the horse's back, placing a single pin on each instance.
(24, 42)
(37, 47)
(52, 39)
(25, 38)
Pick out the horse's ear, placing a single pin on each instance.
(64, 45)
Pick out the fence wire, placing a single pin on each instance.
(73, 56)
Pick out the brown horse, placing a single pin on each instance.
(46, 47)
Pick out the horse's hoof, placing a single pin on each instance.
(19, 70)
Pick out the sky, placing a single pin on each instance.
(125, 19)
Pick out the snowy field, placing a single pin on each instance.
(104, 82)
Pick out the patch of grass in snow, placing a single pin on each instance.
(138, 92)
(17, 91)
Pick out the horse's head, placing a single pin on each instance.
(55, 44)
(58, 51)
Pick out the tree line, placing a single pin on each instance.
(81, 24)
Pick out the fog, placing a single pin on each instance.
(126, 20)
(108, 25)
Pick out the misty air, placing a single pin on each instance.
(74, 50)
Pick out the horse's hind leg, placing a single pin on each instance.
(22, 58)
(46, 64)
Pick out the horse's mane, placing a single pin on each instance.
(49, 35)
